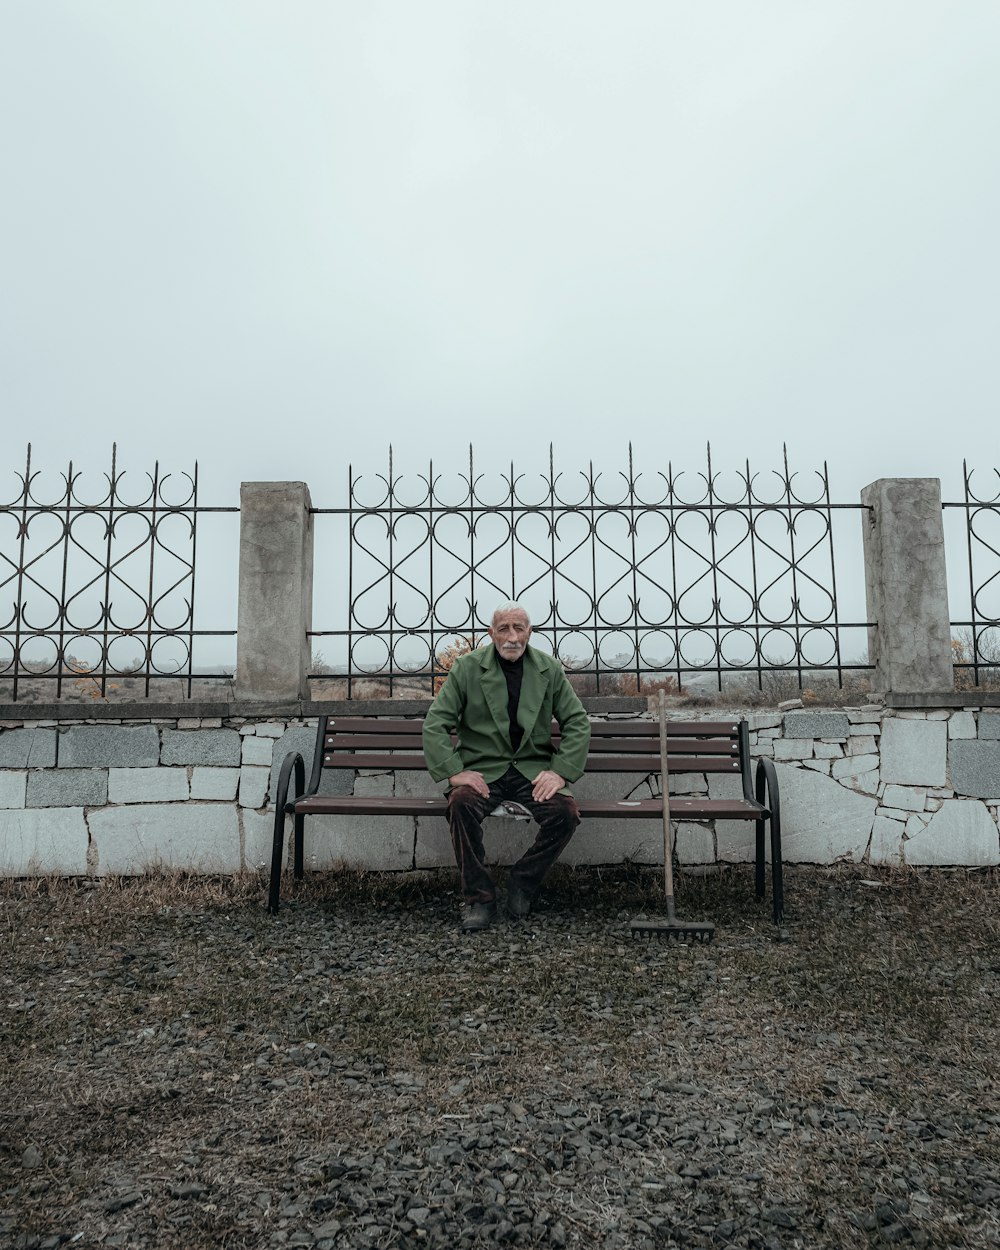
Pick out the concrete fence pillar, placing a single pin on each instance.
(906, 587)
(275, 594)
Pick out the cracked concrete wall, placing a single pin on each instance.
(906, 586)
(275, 591)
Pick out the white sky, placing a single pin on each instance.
(278, 236)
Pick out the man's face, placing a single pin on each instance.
(510, 632)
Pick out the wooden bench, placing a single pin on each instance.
(630, 746)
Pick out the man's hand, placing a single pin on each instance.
(468, 777)
(546, 784)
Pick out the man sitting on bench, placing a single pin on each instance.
(501, 700)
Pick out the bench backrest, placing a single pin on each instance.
(615, 746)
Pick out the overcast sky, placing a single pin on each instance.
(278, 236)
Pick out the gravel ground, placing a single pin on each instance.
(181, 1069)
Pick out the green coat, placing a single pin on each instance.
(473, 702)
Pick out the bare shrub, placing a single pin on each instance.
(981, 649)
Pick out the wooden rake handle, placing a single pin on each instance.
(668, 867)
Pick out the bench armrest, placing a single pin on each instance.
(293, 761)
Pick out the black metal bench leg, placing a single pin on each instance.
(777, 882)
(293, 763)
(299, 846)
(277, 847)
(766, 787)
(759, 862)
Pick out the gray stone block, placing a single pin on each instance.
(906, 798)
(853, 765)
(253, 786)
(821, 820)
(433, 841)
(375, 786)
(864, 783)
(198, 837)
(793, 749)
(147, 785)
(873, 712)
(615, 840)
(68, 787)
(886, 842)
(382, 843)
(962, 832)
(214, 783)
(258, 835)
(735, 839)
(35, 842)
(220, 747)
(28, 748)
(917, 823)
(417, 785)
(816, 725)
(989, 725)
(110, 746)
(615, 786)
(611, 842)
(257, 750)
(962, 725)
(695, 843)
(913, 751)
(975, 768)
(12, 787)
(682, 783)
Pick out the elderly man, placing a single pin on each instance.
(500, 701)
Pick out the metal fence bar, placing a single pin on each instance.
(643, 567)
(121, 589)
(977, 652)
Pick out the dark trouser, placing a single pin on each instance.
(557, 819)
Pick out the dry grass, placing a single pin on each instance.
(165, 1032)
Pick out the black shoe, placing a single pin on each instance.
(518, 902)
(477, 916)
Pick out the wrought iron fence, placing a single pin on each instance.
(976, 638)
(101, 589)
(631, 578)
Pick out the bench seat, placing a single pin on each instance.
(616, 746)
(414, 805)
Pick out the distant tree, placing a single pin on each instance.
(982, 649)
(446, 656)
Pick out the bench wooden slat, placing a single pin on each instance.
(614, 728)
(595, 763)
(622, 746)
(390, 805)
(675, 728)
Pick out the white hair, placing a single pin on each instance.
(509, 606)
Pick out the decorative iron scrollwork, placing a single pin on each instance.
(99, 584)
(643, 574)
(977, 639)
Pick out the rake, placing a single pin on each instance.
(685, 931)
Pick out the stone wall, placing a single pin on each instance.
(870, 783)
(885, 785)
